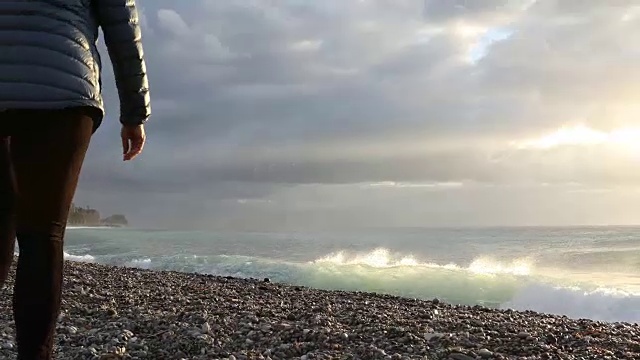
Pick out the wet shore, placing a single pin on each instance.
(123, 313)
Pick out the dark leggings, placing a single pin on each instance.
(41, 154)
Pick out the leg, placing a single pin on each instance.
(47, 158)
(7, 210)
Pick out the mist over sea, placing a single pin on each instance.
(581, 272)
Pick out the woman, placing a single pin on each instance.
(50, 105)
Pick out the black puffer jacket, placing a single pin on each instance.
(49, 58)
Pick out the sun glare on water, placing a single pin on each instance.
(490, 267)
(382, 258)
(378, 258)
(580, 135)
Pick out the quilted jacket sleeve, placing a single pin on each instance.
(120, 25)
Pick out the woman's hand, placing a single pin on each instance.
(133, 139)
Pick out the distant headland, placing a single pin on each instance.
(86, 216)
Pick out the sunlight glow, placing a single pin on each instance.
(581, 135)
(466, 31)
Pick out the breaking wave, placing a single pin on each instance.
(513, 284)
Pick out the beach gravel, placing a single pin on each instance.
(125, 313)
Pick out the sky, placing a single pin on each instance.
(299, 114)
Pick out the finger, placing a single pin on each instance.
(125, 145)
(136, 148)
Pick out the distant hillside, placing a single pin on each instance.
(86, 216)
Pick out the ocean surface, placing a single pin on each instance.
(581, 272)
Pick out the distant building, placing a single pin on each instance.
(86, 216)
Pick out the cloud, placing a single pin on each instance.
(276, 95)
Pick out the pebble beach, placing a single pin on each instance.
(126, 313)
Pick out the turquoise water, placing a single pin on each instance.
(579, 272)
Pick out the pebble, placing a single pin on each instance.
(124, 313)
(206, 328)
(485, 353)
(435, 336)
(460, 356)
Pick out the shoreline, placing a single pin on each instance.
(143, 314)
(96, 227)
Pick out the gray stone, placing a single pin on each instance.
(460, 356)
(485, 353)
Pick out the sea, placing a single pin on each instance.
(580, 272)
